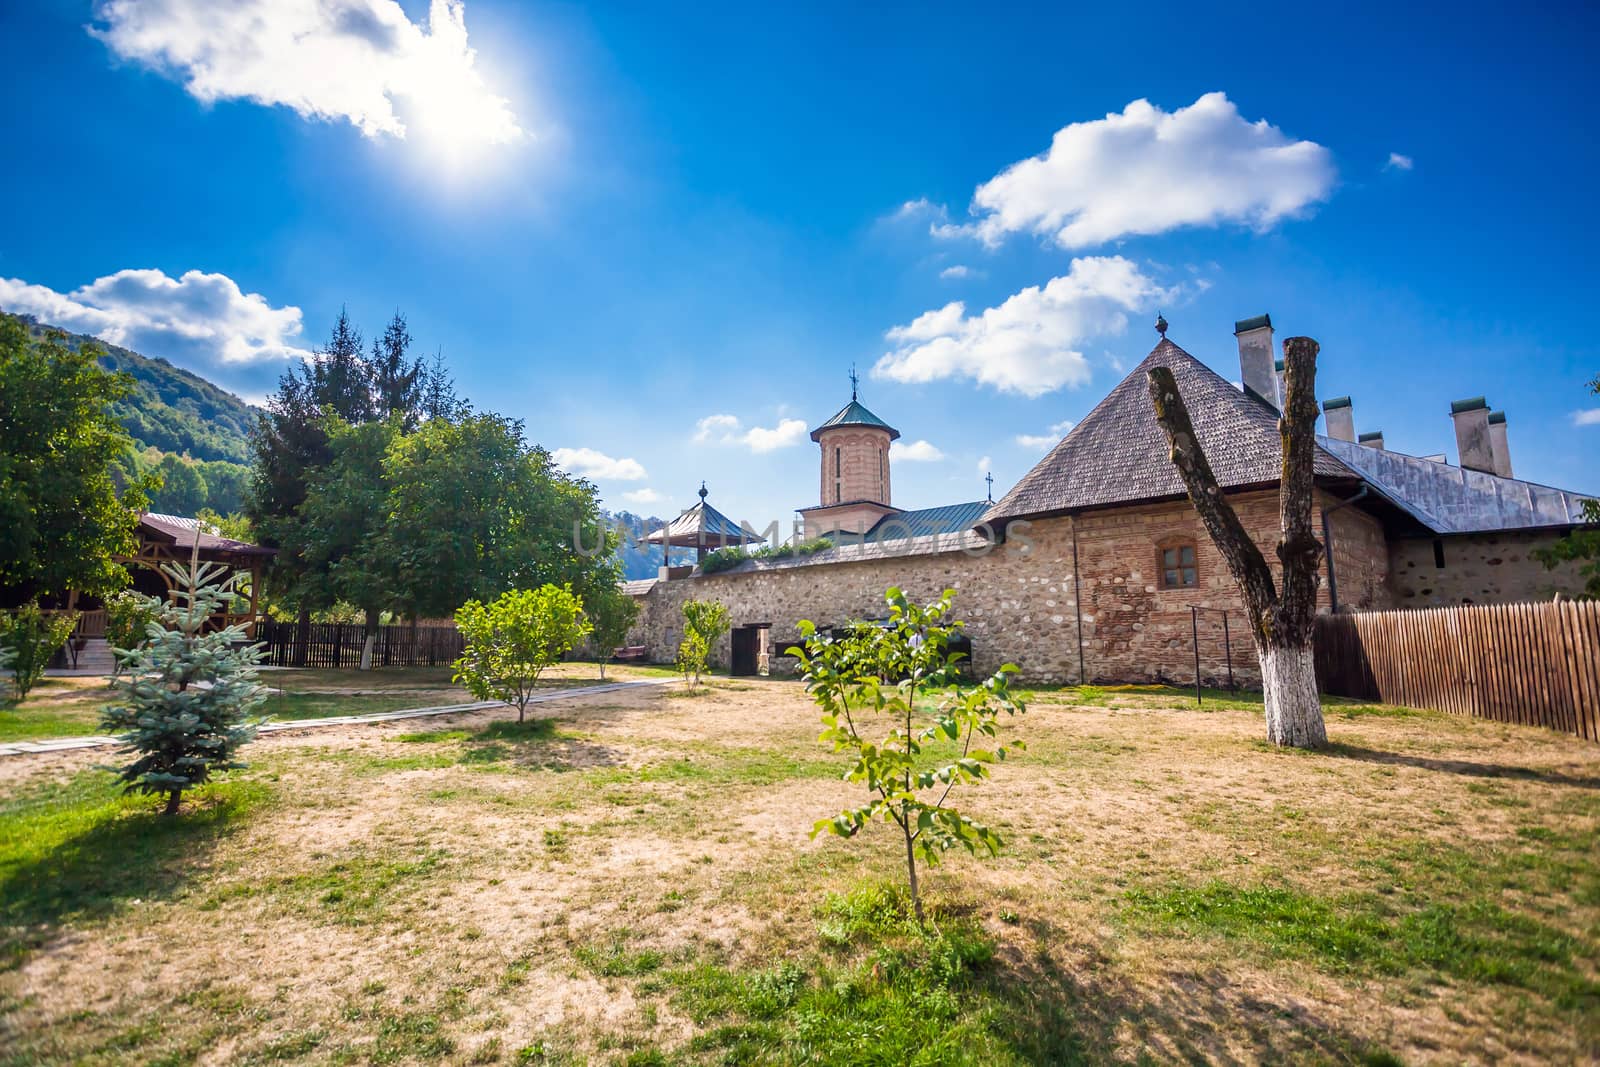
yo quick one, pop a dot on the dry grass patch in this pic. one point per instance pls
(627, 878)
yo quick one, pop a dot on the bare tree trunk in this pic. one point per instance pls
(1282, 627)
(173, 798)
(911, 871)
(369, 638)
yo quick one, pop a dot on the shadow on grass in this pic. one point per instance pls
(81, 851)
(1465, 767)
(536, 743)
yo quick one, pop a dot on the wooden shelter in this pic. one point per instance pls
(702, 528)
(177, 540)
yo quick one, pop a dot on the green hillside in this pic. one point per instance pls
(174, 410)
(177, 419)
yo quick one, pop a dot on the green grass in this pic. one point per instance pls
(80, 849)
(883, 992)
(1472, 940)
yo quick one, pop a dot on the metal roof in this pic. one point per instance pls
(854, 413)
(702, 526)
(181, 533)
(950, 518)
(1456, 500)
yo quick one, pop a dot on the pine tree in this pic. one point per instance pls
(188, 695)
(397, 383)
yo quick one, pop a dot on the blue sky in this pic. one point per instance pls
(620, 222)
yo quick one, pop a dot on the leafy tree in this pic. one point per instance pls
(691, 661)
(343, 528)
(612, 613)
(1281, 623)
(474, 510)
(32, 636)
(189, 693)
(709, 620)
(8, 656)
(510, 641)
(183, 488)
(128, 618)
(1580, 545)
(904, 673)
(62, 521)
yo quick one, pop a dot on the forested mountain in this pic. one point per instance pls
(641, 560)
(171, 409)
(194, 434)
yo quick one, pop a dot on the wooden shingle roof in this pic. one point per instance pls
(1118, 454)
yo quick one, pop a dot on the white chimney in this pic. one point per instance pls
(1341, 419)
(1372, 440)
(1497, 439)
(1474, 447)
(1255, 358)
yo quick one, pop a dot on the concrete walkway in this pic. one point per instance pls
(66, 744)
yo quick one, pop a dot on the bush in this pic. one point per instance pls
(612, 613)
(185, 732)
(128, 618)
(727, 558)
(32, 637)
(691, 662)
(708, 619)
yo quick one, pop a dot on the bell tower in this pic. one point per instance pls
(854, 483)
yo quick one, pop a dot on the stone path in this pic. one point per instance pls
(65, 744)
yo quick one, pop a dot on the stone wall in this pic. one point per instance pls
(1020, 600)
(1478, 569)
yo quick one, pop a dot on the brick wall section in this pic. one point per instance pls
(1478, 569)
(862, 465)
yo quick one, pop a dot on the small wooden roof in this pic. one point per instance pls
(702, 526)
(179, 534)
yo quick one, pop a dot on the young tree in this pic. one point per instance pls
(691, 660)
(1282, 625)
(189, 694)
(612, 613)
(510, 641)
(708, 619)
(62, 519)
(904, 672)
(32, 637)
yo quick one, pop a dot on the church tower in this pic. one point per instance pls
(855, 471)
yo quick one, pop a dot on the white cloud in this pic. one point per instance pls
(915, 452)
(1048, 439)
(1029, 344)
(729, 430)
(957, 271)
(1399, 162)
(197, 318)
(985, 465)
(642, 496)
(1589, 417)
(1147, 171)
(588, 463)
(362, 61)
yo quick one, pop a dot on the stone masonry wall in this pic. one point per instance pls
(1478, 569)
(1020, 600)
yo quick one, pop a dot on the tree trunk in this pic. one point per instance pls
(911, 872)
(370, 637)
(173, 798)
(1282, 627)
(1289, 687)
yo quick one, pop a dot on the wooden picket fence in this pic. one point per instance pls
(1535, 664)
(336, 644)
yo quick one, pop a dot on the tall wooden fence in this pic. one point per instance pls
(1536, 664)
(336, 644)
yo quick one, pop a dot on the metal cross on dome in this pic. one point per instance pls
(853, 381)
(990, 479)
